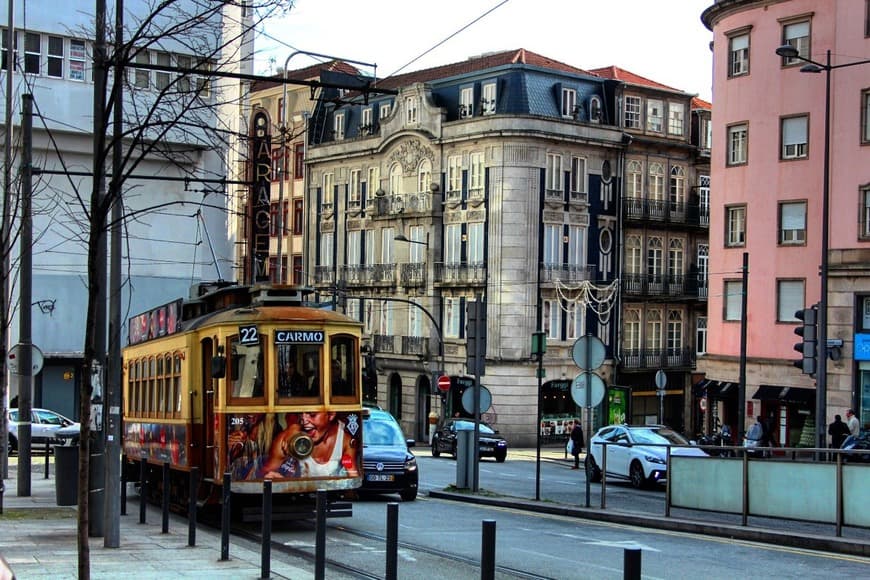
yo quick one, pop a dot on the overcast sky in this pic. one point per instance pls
(663, 40)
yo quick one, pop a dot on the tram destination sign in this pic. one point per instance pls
(299, 337)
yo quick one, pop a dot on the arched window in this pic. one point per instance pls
(395, 179)
(424, 176)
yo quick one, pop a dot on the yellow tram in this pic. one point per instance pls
(249, 381)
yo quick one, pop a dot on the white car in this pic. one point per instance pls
(44, 425)
(636, 453)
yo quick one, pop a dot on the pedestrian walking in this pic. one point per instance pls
(577, 443)
(838, 432)
(852, 422)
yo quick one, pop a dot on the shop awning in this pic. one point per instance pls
(794, 395)
(714, 389)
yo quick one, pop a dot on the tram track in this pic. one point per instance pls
(377, 544)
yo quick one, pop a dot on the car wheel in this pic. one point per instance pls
(409, 494)
(435, 451)
(635, 474)
(500, 457)
(593, 473)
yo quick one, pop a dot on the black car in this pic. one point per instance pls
(388, 464)
(491, 443)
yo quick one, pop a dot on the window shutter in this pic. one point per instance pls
(739, 42)
(794, 131)
(793, 216)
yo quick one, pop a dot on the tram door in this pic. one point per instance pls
(208, 427)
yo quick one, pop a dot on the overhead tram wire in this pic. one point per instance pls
(427, 51)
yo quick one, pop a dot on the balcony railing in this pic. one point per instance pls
(653, 210)
(324, 275)
(413, 275)
(567, 272)
(665, 285)
(459, 273)
(657, 358)
(384, 343)
(402, 203)
(368, 274)
(418, 345)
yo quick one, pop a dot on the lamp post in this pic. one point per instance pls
(789, 51)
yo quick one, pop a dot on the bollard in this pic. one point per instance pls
(123, 487)
(320, 536)
(143, 488)
(392, 541)
(266, 546)
(487, 554)
(191, 506)
(631, 564)
(165, 498)
(46, 460)
(225, 519)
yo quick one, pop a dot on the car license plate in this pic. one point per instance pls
(379, 477)
(486, 448)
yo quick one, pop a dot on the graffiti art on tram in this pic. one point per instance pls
(157, 442)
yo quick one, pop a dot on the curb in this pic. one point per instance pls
(807, 542)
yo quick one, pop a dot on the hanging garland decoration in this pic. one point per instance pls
(601, 299)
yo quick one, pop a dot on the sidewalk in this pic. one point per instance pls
(38, 539)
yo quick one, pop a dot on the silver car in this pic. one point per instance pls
(44, 425)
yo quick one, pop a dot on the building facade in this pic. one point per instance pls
(171, 217)
(501, 180)
(768, 169)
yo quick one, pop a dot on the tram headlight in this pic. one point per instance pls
(301, 445)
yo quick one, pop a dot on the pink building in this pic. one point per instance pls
(767, 170)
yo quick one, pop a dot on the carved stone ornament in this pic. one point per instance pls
(409, 154)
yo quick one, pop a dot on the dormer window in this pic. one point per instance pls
(594, 109)
(366, 126)
(466, 102)
(487, 103)
(384, 111)
(569, 102)
(338, 126)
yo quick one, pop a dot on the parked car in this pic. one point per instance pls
(44, 425)
(636, 453)
(388, 464)
(491, 443)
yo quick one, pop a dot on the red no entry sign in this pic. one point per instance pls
(444, 383)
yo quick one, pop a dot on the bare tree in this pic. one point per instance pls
(174, 117)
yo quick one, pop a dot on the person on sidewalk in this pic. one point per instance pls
(577, 443)
(838, 432)
(852, 422)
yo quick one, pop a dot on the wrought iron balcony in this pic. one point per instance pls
(384, 343)
(567, 272)
(418, 345)
(399, 204)
(456, 274)
(637, 209)
(657, 358)
(324, 275)
(413, 275)
(665, 286)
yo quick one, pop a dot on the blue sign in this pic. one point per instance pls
(862, 347)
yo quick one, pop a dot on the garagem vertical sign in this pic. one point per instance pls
(260, 198)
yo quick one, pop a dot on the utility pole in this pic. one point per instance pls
(25, 365)
(5, 249)
(112, 515)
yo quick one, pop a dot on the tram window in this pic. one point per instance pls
(292, 380)
(176, 384)
(246, 373)
(343, 366)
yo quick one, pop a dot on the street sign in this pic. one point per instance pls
(14, 355)
(661, 380)
(588, 352)
(578, 389)
(468, 400)
(444, 383)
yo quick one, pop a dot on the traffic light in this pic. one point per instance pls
(809, 346)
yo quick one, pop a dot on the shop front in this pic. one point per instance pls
(789, 414)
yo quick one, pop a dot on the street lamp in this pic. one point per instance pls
(404, 238)
(789, 51)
